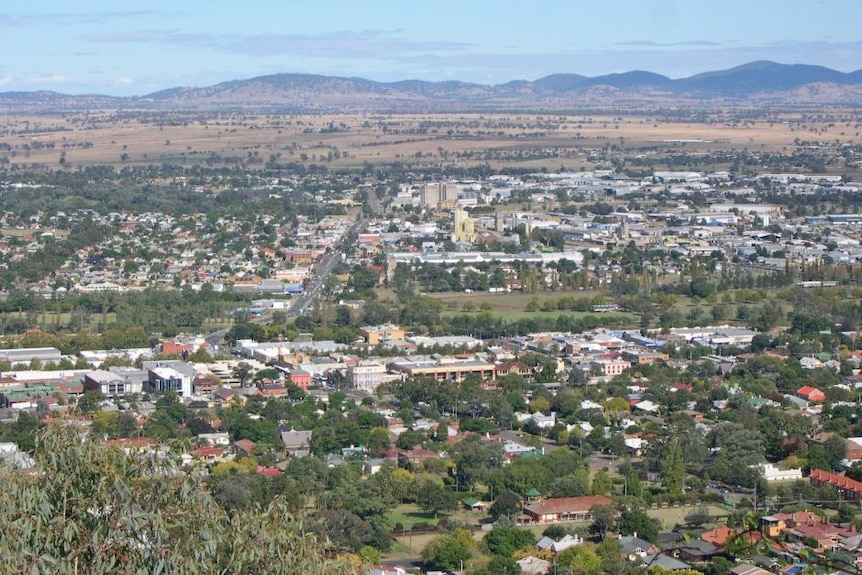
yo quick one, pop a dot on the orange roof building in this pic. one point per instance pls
(847, 488)
(562, 509)
(811, 394)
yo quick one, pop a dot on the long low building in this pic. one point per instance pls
(847, 488)
(562, 509)
(22, 356)
(451, 258)
(441, 368)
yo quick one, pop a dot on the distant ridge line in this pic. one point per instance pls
(760, 82)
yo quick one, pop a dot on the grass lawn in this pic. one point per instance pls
(676, 515)
(49, 319)
(409, 514)
(504, 302)
(401, 550)
(628, 318)
(409, 546)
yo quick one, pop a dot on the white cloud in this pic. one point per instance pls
(364, 44)
(70, 18)
(124, 81)
(51, 79)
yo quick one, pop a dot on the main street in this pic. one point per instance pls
(315, 286)
(322, 270)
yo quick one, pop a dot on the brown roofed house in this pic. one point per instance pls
(562, 509)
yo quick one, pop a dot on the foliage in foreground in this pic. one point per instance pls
(92, 509)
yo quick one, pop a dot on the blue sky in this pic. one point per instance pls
(133, 47)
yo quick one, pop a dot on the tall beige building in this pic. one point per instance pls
(438, 194)
(463, 229)
(430, 195)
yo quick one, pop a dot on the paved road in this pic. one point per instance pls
(321, 272)
(314, 288)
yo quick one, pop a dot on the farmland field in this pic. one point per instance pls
(530, 141)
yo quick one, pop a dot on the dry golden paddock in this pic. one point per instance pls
(529, 140)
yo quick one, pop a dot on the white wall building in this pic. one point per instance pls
(164, 379)
(773, 473)
(367, 375)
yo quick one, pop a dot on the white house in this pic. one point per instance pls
(773, 473)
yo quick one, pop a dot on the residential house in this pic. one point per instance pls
(209, 454)
(634, 547)
(297, 443)
(16, 458)
(131, 445)
(385, 570)
(718, 536)
(562, 509)
(227, 394)
(828, 536)
(566, 542)
(698, 550)
(543, 421)
(415, 456)
(811, 394)
(268, 471)
(749, 569)
(665, 561)
(533, 565)
(847, 488)
(204, 385)
(215, 439)
(244, 446)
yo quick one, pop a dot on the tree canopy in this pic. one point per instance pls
(112, 513)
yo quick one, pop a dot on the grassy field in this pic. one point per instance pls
(504, 302)
(510, 139)
(671, 516)
(512, 306)
(628, 318)
(409, 514)
(49, 320)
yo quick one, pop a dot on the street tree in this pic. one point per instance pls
(507, 504)
(242, 371)
(433, 497)
(604, 519)
(673, 474)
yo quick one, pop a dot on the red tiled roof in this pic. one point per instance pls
(208, 452)
(717, 536)
(837, 481)
(567, 505)
(268, 471)
(246, 445)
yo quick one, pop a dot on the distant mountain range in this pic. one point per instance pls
(763, 83)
